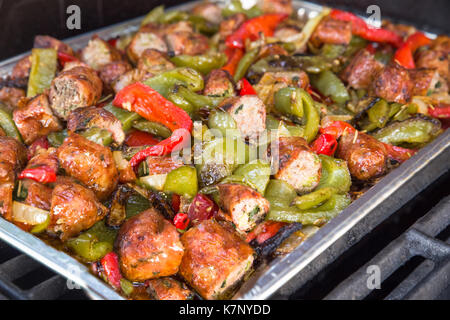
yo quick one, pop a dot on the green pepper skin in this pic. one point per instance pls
(57, 138)
(279, 193)
(222, 121)
(136, 204)
(188, 77)
(43, 69)
(245, 63)
(288, 101)
(153, 16)
(202, 63)
(203, 26)
(313, 64)
(378, 114)
(311, 116)
(417, 130)
(97, 135)
(197, 100)
(7, 123)
(335, 174)
(182, 181)
(316, 216)
(331, 86)
(256, 173)
(154, 128)
(235, 6)
(314, 198)
(125, 117)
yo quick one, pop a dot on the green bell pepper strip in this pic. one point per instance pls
(245, 63)
(279, 193)
(125, 117)
(202, 63)
(135, 204)
(203, 26)
(257, 173)
(195, 99)
(7, 123)
(39, 228)
(163, 82)
(223, 122)
(316, 216)
(235, 6)
(182, 181)
(57, 138)
(314, 198)
(332, 51)
(330, 85)
(173, 16)
(416, 130)
(313, 64)
(335, 174)
(153, 16)
(288, 101)
(43, 69)
(378, 114)
(151, 127)
(181, 102)
(274, 124)
(98, 135)
(404, 112)
(311, 115)
(126, 286)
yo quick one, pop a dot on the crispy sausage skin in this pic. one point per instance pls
(74, 88)
(11, 96)
(74, 208)
(218, 83)
(34, 118)
(169, 289)
(332, 31)
(361, 70)
(38, 195)
(112, 71)
(44, 157)
(185, 42)
(13, 156)
(149, 247)
(87, 117)
(154, 61)
(365, 155)
(298, 164)
(145, 39)
(392, 83)
(276, 6)
(41, 41)
(22, 68)
(215, 259)
(98, 53)
(90, 163)
(210, 11)
(229, 25)
(244, 206)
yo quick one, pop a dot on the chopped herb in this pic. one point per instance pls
(239, 109)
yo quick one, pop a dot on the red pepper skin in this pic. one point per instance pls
(65, 57)
(181, 221)
(152, 106)
(336, 128)
(41, 174)
(317, 96)
(251, 29)
(234, 56)
(360, 28)
(404, 55)
(440, 111)
(110, 265)
(264, 231)
(140, 138)
(325, 144)
(246, 88)
(202, 208)
(398, 153)
(39, 143)
(112, 42)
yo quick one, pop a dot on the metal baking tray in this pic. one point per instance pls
(270, 277)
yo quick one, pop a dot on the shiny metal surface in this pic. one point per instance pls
(268, 279)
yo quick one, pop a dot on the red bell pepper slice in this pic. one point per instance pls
(42, 174)
(246, 88)
(181, 221)
(325, 144)
(360, 28)
(264, 231)
(404, 55)
(152, 106)
(110, 265)
(336, 128)
(202, 208)
(113, 41)
(251, 29)
(138, 138)
(65, 57)
(234, 56)
(440, 111)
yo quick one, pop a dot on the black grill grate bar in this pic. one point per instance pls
(417, 241)
(49, 289)
(10, 290)
(18, 266)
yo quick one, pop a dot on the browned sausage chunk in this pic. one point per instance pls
(185, 42)
(435, 59)
(143, 40)
(332, 31)
(50, 42)
(90, 163)
(149, 247)
(13, 157)
(154, 61)
(276, 6)
(426, 81)
(210, 11)
(229, 25)
(169, 289)
(34, 118)
(38, 195)
(11, 96)
(215, 259)
(87, 117)
(298, 164)
(361, 70)
(130, 77)
(44, 157)
(74, 88)
(74, 208)
(393, 83)
(218, 83)
(22, 68)
(112, 71)
(365, 155)
(98, 53)
(243, 206)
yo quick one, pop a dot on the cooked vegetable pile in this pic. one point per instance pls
(173, 159)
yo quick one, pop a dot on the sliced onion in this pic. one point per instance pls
(27, 214)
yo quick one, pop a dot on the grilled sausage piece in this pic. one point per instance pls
(185, 42)
(154, 61)
(130, 77)
(215, 259)
(22, 68)
(13, 156)
(38, 195)
(298, 164)
(435, 59)
(74, 88)
(366, 156)
(210, 11)
(41, 41)
(169, 289)
(393, 83)
(44, 157)
(74, 208)
(426, 81)
(244, 206)
(90, 163)
(11, 96)
(162, 164)
(98, 53)
(229, 25)
(145, 39)
(276, 6)
(149, 247)
(87, 117)
(249, 113)
(284, 32)
(111, 72)
(361, 70)
(34, 118)
(219, 83)
(332, 31)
